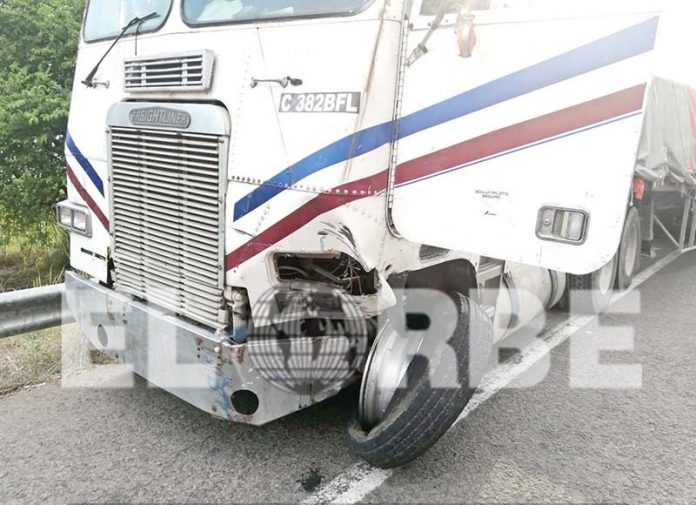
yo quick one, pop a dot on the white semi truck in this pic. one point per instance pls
(269, 200)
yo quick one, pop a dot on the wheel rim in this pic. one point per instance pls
(606, 277)
(385, 372)
(630, 251)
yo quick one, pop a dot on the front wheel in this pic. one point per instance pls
(402, 413)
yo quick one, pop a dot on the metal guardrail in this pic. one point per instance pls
(32, 310)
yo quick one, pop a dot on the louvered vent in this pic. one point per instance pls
(190, 70)
(168, 214)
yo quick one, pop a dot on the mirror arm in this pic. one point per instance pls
(422, 48)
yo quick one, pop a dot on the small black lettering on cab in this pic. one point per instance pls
(348, 102)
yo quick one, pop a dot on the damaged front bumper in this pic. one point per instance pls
(234, 382)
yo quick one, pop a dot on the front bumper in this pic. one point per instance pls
(184, 359)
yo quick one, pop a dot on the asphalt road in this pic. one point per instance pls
(547, 443)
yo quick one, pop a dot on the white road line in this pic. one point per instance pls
(361, 479)
(351, 486)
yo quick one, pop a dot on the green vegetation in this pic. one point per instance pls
(34, 358)
(38, 42)
(23, 266)
(38, 45)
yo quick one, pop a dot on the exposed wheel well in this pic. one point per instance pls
(456, 276)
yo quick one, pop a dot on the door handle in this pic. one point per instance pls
(283, 82)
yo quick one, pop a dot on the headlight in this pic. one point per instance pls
(64, 216)
(79, 221)
(75, 218)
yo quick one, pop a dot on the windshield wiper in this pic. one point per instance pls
(89, 81)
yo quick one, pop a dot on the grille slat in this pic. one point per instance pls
(187, 285)
(163, 162)
(165, 198)
(160, 72)
(176, 222)
(157, 254)
(133, 231)
(193, 254)
(164, 189)
(161, 271)
(163, 153)
(181, 210)
(159, 147)
(192, 137)
(160, 177)
(168, 219)
(164, 228)
(160, 295)
(190, 70)
(166, 137)
(163, 60)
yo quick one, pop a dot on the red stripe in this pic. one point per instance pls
(523, 134)
(500, 141)
(87, 199)
(322, 204)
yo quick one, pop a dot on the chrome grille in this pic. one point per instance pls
(190, 70)
(167, 190)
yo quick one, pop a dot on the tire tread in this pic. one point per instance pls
(426, 413)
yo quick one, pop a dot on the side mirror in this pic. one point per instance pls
(466, 33)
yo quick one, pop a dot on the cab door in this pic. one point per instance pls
(519, 128)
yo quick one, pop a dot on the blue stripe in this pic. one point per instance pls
(84, 163)
(606, 51)
(357, 144)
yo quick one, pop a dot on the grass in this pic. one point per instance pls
(34, 358)
(26, 266)
(29, 359)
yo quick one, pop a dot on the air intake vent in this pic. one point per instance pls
(168, 219)
(191, 70)
(431, 253)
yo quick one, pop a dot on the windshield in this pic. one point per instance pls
(106, 18)
(220, 11)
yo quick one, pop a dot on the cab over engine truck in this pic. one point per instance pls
(271, 200)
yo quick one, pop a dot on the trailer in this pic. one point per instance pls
(271, 200)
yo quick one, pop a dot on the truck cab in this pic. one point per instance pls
(270, 200)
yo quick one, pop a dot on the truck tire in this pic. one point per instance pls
(419, 414)
(629, 250)
(591, 293)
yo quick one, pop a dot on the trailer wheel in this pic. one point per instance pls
(591, 293)
(629, 250)
(419, 414)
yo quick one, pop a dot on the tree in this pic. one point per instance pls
(38, 45)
